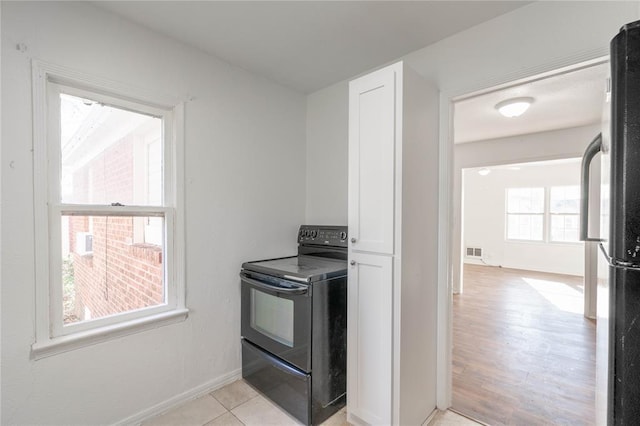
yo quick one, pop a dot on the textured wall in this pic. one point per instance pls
(244, 199)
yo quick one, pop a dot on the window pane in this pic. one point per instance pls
(109, 155)
(105, 271)
(524, 227)
(565, 199)
(565, 227)
(525, 200)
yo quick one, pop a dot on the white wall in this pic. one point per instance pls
(484, 219)
(539, 33)
(245, 197)
(327, 155)
(328, 136)
(542, 146)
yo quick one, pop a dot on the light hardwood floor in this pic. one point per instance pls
(523, 353)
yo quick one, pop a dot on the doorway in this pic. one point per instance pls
(523, 342)
(520, 336)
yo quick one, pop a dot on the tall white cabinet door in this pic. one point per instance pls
(369, 343)
(392, 284)
(372, 118)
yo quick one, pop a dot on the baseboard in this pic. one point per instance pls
(467, 417)
(180, 399)
(430, 417)
(353, 419)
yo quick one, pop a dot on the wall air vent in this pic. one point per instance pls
(475, 252)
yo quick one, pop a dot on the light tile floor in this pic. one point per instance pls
(449, 418)
(239, 404)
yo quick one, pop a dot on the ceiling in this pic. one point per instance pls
(562, 101)
(309, 45)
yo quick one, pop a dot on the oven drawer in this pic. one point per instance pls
(281, 382)
(276, 316)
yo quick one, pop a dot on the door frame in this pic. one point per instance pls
(446, 194)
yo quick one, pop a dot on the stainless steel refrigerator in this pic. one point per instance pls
(618, 323)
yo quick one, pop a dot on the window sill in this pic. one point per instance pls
(82, 339)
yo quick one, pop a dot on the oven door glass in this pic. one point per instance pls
(276, 316)
(272, 316)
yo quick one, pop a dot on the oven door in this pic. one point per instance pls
(276, 316)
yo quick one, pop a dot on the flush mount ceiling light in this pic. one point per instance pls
(484, 171)
(514, 107)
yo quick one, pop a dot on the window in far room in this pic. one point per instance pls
(543, 214)
(564, 211)
(525, 214)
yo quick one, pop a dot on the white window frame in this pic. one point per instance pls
(52, 336)
(552, 214)
(542, 214)
(546, 219)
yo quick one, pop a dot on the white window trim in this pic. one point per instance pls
(507, 214)
(550, 214)
(48, 338)
(542, 240)
(546, 220)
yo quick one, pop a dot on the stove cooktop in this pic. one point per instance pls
(300, 268)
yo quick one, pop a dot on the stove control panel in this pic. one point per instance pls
(323, 235)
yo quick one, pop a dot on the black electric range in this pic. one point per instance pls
(294, 325)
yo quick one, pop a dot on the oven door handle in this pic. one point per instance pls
(273, 288)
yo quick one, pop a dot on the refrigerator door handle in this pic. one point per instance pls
(594, 147)
(605, 254)
(615, 263)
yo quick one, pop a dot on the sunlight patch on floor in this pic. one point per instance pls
(561, 295)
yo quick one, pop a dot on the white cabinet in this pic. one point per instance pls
(369, 319)
(392, 287)
(371, 162)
